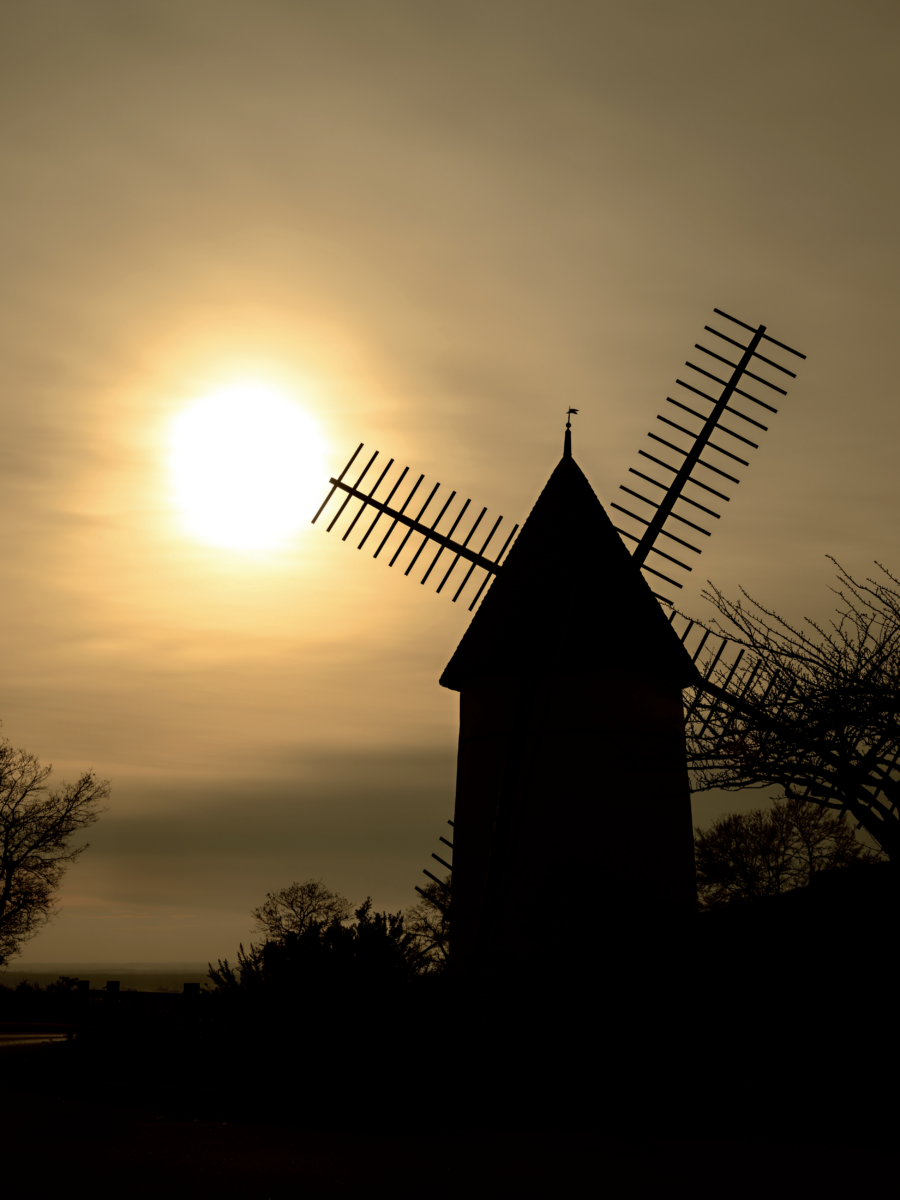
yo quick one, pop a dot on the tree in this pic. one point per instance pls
(816, 711)
(36, 828)
(767, 851)
(384, 949)
(429, 923)
(295, 908)
(330, 953)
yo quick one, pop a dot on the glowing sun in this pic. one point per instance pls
(247, 467)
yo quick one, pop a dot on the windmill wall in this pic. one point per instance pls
(572, 830)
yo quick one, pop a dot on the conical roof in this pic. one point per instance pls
(569, 599)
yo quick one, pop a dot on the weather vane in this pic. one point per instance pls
(570, 412)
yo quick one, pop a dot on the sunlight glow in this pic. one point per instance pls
(247, 467)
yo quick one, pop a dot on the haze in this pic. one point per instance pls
(432, 229)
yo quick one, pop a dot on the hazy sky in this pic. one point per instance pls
(433, 228)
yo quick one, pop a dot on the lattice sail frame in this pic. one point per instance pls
(430, 533)
(445, 888)
(748, 712)
(683, 475)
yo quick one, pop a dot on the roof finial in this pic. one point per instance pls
(567, 446)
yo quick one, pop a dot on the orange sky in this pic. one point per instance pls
(433, 228)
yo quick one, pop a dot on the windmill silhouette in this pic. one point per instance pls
(571, 680)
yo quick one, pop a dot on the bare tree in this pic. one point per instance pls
(295, 908)
(815, 711)
(429, 921)
(36, 828)
(747, 856)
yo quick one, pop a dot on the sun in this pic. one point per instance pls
(247, 467)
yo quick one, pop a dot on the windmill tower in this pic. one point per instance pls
(571, 757)
(571, 742)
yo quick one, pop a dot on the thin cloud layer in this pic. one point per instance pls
(434, 231)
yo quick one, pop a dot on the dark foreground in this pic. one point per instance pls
(762, 1049)
(346, 1102)
(641, 1096)
(138, 1150)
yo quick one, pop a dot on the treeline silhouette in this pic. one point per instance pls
(374, 950)
(336, 1007)
(33, 1002)
(744, 857)
(313, 936)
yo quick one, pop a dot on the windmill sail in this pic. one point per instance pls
(697, 481)
(444, 901)
(413, 524)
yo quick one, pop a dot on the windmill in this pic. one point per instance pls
(571, 677)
